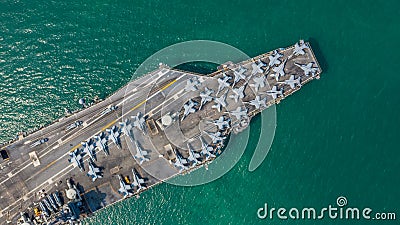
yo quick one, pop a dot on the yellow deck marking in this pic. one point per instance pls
(132, 109)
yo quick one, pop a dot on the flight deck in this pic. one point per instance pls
(161, 125)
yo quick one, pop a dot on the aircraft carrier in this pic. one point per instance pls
(163, 124)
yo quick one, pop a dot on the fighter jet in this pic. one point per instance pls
(193, 156)
(57, 199)
(88, 148)
(47, 204)
(259, 82)
(223, 83)
(139, 121)
(206, 96)
(275, 92)
(238, 93)
(179, 161)
(258, 102)
(44, 210)
(123, 187)
(76, 159)
(215, 137)
(52, 202)
(140, 153)
(292, 82)
(189, 108)
(101, 143)
(220, 102)
(239, 113)
(137, 182)
(257, 68)
(221, 123)
(274, 59)
(307, 69)
(239, 74)
(109, 109)
(279, 70)
(114, 136)
(74, 125)
(206, 150)
(93, 172)
(299, 48)
(191, 84)
(126, 127)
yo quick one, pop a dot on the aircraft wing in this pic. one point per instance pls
(143, 152)
(128, 187)
(191, 158)
(138, 155)
(91, 173)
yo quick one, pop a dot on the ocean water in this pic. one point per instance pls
(338, 136)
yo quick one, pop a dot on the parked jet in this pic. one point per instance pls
(292, 82)
(223, 83)
(238, 93)
(57, 199)
(258, 82)
(94, 172)
(258, 102)
(52, 202)
(114, 136)
(216, 137)
(221, 123)
(279, 70)
(88, 148)
(76, 159)
(206, 150)
(47, 204)
(274, 59)
(74, 125)
(220, 102)
(206, 96)
(179, 161)
(189, 108)
(307, 69)
(140, 153)
(191, 84)
(139, 121)
(109, 109)
(137, 182)
(126, 127)
(124, 189)
(193, 156)
(44, 210)
(275, 92)
(101, 142)
(239, 74)
(257, 68)
(239, 113)
(299, 48)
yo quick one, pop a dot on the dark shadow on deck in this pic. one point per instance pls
(95, 199)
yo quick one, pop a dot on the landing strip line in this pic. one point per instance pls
(107, 126)
(132, 109)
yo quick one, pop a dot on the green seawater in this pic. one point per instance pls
(338, 136)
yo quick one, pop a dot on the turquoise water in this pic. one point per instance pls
(337, 136)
